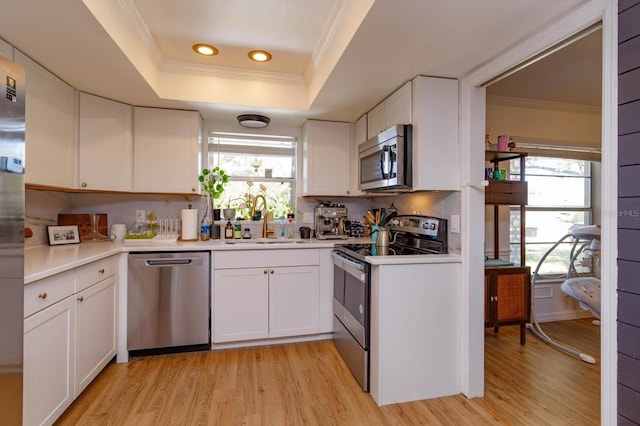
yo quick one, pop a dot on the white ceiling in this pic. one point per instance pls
(332, 59)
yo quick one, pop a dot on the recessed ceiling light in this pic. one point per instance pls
(205, 49)
(254, 121)
(260, 55)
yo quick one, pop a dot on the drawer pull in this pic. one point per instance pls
(264, 272)
(81, 299)
(101, 271)
(271, 271)
(42, 296)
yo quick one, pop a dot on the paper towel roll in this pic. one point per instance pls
(189, 229)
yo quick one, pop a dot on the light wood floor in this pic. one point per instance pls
(308, 384)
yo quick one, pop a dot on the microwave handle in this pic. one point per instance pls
(384, 162)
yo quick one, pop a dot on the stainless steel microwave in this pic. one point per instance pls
(385, 160)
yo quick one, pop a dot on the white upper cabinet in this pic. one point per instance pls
(105, 148)
(6, 50)
(396, 109)
(166, 154)
(50, 155)
(326, 161)
(376, 120)
(436, 162)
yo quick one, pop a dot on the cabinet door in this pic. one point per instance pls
(293, 301)
(240, 304)
(398, 106)
(50, 154)
(48, 363)
(326, 158)
(6, 50)
(376, 120)
(166, 153)
(512, 300)
(489, 304)
(95, 331)
(106, 145)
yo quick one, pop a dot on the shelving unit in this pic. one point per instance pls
(507, 288)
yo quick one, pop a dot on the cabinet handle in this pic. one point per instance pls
(84, 184)
(101, 271)
(81, 299)
(271, 271)
(264, 272)
(42, 296)
(193, 190)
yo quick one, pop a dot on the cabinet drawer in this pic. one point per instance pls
(265, 258)
(94, 272)
(506, 192)
(46, 292)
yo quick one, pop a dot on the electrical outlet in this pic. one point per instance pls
(307, 217)
(141, 216)
(454, 224)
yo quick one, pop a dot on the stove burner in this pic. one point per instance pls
(360, 251)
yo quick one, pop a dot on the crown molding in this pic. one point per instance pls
(542, 104)
(216, 71)
(328, 34)
(142, 31)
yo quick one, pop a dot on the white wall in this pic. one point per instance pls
(543, 122)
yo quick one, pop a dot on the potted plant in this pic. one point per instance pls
(212, 183)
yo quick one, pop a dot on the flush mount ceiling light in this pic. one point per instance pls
(205, 49)
(254, 121)
(260, 56)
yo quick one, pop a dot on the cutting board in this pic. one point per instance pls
(83, 222)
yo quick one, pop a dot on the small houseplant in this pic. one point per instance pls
(212, 183)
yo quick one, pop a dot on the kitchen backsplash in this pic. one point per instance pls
(42, 208)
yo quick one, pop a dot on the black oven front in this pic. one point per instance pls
(351, 308)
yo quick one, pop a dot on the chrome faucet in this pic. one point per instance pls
(265, 229)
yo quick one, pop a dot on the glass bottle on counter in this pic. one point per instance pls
(237, 230)
(205, 225)
(228, 230)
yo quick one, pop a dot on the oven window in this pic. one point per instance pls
(355, 298)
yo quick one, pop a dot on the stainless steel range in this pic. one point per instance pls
(410, 235)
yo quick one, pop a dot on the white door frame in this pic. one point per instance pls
(472, 131)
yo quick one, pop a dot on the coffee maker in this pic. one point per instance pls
(330, 221)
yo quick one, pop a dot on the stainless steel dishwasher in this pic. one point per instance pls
(168, 302)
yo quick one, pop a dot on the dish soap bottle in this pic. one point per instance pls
(228, 230)
(205, 225)
(237, 230)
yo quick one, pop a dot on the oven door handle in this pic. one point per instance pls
(353, 268)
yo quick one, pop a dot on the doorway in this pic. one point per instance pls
(472, 123)
(551, 110)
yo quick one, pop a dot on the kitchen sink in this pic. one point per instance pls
(266, 241)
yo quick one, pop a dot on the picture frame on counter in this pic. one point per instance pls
(68, 234)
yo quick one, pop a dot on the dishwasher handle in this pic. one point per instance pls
(154, 262)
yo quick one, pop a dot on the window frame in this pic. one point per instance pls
(514, 243)
(215, 148)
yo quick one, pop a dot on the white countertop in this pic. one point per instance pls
(43, 261)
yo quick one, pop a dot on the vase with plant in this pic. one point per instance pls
(212, 183)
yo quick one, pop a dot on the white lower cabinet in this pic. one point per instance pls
(272, 293)
(95, 331)
(69, 337)
(48, 363)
